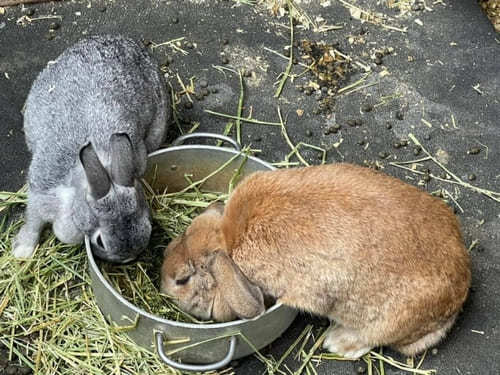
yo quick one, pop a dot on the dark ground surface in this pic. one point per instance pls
(431, 75)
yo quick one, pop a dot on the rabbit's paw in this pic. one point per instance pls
(20, 250)
(24, 244)
(345, 342)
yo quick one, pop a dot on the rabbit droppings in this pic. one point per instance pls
(90, 120)
(381, 258)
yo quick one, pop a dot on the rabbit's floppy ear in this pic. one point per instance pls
(122, 160)
(97, 177)
(244, 298)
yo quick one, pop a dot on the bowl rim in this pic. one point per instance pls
(137, 310)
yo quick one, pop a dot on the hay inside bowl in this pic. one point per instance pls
(139, 282)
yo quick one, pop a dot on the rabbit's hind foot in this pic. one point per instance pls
(345, 342)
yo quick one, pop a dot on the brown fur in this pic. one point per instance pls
(381, 258)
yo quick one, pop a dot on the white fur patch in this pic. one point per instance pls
(66, 195)
(345, 342)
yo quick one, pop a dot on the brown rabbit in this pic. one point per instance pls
(381, 258)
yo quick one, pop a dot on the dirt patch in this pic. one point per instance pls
(253, 66)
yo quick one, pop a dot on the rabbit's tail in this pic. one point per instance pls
(428, 340)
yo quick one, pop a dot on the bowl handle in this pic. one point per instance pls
(189, 367)
(182, 138)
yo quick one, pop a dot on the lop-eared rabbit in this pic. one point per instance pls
(383, 260)
(90, 120)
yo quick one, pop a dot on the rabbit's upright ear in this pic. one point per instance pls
(244, 298)
(122, 160)
(97, 177)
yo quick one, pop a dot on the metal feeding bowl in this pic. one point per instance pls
(188, 346)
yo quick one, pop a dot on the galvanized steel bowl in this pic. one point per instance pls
(166, 169)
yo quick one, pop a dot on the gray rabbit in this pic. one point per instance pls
(91, 118)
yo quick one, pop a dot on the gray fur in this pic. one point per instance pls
(103, 88)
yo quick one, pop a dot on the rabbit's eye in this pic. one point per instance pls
(182, 281)
(99, 241)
